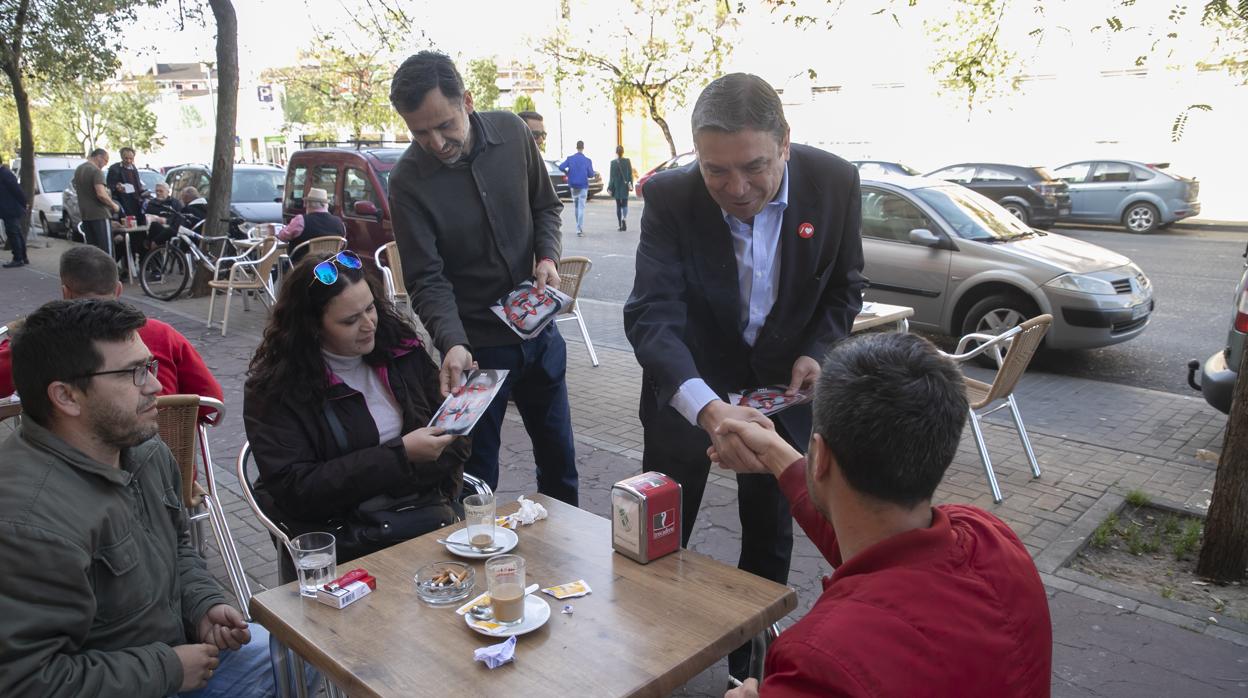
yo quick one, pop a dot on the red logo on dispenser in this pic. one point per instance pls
(805, 230)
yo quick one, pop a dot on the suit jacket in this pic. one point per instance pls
(683, 317)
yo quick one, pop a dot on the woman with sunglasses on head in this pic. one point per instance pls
(336, 402)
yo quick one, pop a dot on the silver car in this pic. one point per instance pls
(966, 265)
(1140, 196)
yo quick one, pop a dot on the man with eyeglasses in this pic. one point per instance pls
(537, 126)
(104, 593)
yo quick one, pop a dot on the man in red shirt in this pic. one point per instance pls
(88, 272)
(923, 600)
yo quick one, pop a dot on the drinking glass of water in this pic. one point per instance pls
(315, 559)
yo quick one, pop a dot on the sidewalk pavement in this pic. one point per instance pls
(1094, 442)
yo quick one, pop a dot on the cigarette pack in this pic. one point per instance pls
(344, 596)
(645, 516)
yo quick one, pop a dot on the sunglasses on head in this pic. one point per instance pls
(327, 272)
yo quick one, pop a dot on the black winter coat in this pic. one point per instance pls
(307, 483)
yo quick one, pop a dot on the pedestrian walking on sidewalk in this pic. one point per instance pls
(12, 211)
(579, 169)
(620, 185)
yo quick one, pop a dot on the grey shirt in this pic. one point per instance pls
(89, 205)
(468, 235)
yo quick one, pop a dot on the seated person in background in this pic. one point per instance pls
(104, 593)
(923, 600)
(88, 272)
(194, 207)
(164, 215)
(335, 406)
(317, 222)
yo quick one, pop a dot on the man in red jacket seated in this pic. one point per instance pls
(88, 272)
(923, 600)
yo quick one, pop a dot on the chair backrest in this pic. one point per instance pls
(388, 260)
(267, 250)
(1022, 347)
(245, 484)
(572, 272)
(10, 408)
(326, 244)
(178, 417)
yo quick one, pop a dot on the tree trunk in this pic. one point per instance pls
(227, 115)
(27, 149)
(1224, 554)
(652, 101)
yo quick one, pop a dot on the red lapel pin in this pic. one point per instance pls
(805, 230)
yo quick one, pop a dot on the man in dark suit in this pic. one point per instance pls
(749, 269)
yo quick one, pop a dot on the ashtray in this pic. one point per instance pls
(443, 583)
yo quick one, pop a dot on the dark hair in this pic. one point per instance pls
(288, 362)
(125, 150)
(580, 145)
(421, 73)
(891, 408)
(98, 152)
(87, 270)
(531, 115)
(619, 150)
(738, 102)
(57, 343)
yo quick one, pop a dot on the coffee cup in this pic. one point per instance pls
(504, 576)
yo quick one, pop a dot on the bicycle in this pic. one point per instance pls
(165, 271)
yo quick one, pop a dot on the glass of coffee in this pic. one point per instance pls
(479, 516)
(504, 574)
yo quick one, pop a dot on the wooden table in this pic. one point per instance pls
(884, 314)
(644, 631)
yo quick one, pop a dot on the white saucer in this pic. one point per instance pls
(505, 537)
(536, 613)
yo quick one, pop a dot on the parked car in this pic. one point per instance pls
(1140, 196)
(678, 161)
(357, 181)
(560, 181)
(255, 193)
(1220, 371)
(966, 264)
(69, 198)
(874, 169)
(1030, 194)
(53, 172)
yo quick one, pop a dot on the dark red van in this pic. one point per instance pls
(358, 184)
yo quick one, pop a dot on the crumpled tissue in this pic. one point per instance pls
(528, 512)
(495, 656)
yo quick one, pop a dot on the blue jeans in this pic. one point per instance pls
(578, 198)
(537, 382)
(249, 672)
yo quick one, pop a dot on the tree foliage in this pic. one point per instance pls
(523, 103)
(655, 52)
(335, 88)
(481, 79)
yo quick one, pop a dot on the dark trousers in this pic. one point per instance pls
(99, 233)
(537, 381)
(17, 241)
(677, 448)
(621, 209)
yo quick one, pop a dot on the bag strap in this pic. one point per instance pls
(335, 427)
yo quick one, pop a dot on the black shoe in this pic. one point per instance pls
(13, 264)
(623, 225)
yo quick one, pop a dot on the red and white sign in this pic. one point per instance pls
(805, 231)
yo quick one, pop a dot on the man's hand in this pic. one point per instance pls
(749, 689)
(456, 362)
(805, 372)
(732, 454)
(198, 663)
(546, 273)
(224, 628)
(767, 452)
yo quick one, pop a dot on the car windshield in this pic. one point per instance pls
(254, 186)
(384, 177)
(972, 215)
(55, 180)
(150, 179)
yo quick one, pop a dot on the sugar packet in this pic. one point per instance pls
(571, 590)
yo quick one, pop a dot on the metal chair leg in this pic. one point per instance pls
(280, 658)
(212, 300)
(983, 456)
(1022, 436)
(593, 355)
(301, 676)
(225, 320)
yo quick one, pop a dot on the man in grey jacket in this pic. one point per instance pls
(104, 594)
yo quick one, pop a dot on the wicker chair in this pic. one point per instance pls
(1021, 343)
(248, 272)
(572, 271)
(391, 266)
(326, 244)
(185, 434)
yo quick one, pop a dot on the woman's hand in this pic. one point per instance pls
(426, 444)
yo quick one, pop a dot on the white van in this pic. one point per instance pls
(53, 173)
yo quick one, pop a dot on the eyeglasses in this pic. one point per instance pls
(138, 374)
(327, 272)
(539, 135)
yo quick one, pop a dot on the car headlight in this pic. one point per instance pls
(1082, 283)
(57, 209)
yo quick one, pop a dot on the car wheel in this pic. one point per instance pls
(1141, 218)
(993, 315)
(1019, 211)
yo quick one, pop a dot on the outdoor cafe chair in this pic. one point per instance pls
(248, 272)
(1020, 344)
(326, 244)
(186, 435)
(572, 271)
(391, 265)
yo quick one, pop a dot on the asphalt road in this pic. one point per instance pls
(1193, 275)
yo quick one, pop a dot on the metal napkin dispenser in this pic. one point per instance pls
(645, 516)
